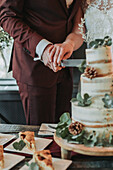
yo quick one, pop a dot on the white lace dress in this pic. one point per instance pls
(98, 18)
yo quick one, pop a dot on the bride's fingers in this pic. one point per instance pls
(66, 56)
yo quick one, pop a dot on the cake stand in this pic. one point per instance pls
(66, 149)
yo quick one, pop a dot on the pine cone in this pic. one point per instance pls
(90, 72)
(75, 128)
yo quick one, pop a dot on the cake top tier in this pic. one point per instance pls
(101, 59)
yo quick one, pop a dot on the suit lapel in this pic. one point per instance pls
(64, 6)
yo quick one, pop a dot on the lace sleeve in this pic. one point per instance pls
(98, 19)
(100, 4)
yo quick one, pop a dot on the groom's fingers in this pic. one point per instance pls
(55, 68)
(56, 56)
(66, 56)
(51, 54)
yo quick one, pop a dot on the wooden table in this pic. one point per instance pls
(79, 161)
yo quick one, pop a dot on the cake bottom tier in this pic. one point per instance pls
(94, 117)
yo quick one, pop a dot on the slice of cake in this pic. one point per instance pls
(1, 157)
(28, 138)
(43, 159)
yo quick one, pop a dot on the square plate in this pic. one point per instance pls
(4, 138)
(45, 130)
(41, 143)
(58, 164)
(11, 160)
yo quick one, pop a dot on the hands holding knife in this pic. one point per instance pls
(55, 55)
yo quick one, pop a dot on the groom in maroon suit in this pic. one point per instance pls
(44, 32)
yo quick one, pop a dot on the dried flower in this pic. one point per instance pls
(90, 72)
(75, 128)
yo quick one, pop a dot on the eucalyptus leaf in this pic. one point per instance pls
(103, 135)
(26, 163)
(65, 117)
(32, 166)
(79, 97)
(100, 41)
(110, 137)
(92, 44)
(85, 101)
(106, 37)
(82, 67)
(19, 145)
(73, 100)
(108, 101)
(62, 127)
(107, 41)
(81, 104)
(90, 139)
(64, 132)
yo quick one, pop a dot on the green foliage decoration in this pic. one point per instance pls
(4, 42)
(19, 145)
(82, 67)
(108, 101)
(90, 139)
(85, 101)
(107, 41)
(32, 166)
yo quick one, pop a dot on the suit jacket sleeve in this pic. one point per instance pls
(11, 19)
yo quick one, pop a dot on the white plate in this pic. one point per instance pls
(46, 130)
(11, 160)
(4, 138)
(41, 143)
(58, 164)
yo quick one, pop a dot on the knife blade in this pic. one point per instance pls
(72, 62)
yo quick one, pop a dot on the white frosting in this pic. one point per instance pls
(100, 59)
(102, 53)
(97, 86)
(96, 116)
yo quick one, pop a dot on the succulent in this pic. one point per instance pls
(108, 101)
(85, 101)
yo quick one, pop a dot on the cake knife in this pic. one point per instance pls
(72, 62)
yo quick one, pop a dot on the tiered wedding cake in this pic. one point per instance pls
(97, 82)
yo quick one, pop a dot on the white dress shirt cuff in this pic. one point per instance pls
(40, 48)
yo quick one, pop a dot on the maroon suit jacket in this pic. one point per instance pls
(28, 21)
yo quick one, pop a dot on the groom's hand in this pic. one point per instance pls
(47, 58)
(46, 53)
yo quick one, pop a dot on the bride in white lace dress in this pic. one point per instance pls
(98, 18)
